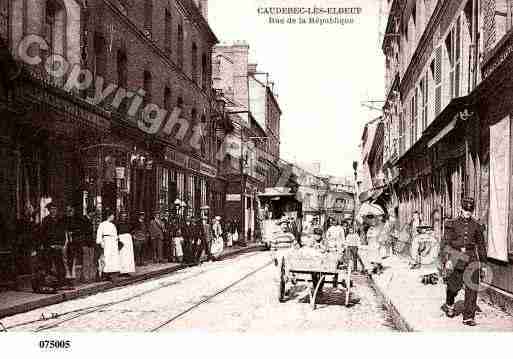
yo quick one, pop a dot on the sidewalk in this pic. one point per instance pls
(15, 302)
(416, 307)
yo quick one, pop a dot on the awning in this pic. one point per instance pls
(444, 123)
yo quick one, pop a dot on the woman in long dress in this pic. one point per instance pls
(107, 238)
(217, 242)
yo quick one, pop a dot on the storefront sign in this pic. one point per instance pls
(233, 197)
(208, 170)
(37, 94)
(176, 157)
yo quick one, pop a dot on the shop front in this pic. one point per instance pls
(188, 179)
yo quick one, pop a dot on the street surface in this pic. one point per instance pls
(234, 295)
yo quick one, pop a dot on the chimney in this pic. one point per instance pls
(252, 69)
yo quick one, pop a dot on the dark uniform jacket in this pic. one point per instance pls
(463, 243)
(53, 232)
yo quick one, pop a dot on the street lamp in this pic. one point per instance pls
(355, 169)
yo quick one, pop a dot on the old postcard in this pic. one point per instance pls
(255, 167)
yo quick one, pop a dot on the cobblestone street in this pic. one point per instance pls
(236, 295)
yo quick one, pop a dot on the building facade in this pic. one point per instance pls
(90, 110)
(254, 113)
(447, 117)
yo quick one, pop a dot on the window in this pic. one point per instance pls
(167, 99)
(122, 69)
(204, 72)
(147, 85)
(100, 58)
(203, 139)
(453, 47)
(437, 75)
(168, 32)
(194, 62)
(414, 118)
(424, 90)
(148, 17)
(401, 132)
(121, 62)
(54, 30)
(179, 46)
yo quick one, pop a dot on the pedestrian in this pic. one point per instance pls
(73, 249)
(217, 240)
(332, 236)
(53, 237)
(140, 236)
(178, 241)
(157, 229)
(126, 253)
(352, 243)
(107, 237)
(25, 240)
(463, 253)
(236, 232)
(189, 236)
(229, 233)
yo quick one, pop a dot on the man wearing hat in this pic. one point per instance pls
(463, 252)
(53, 240)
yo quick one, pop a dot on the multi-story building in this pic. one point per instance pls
(447, 116)
(254, 112)
(340, 199)
(89, 117)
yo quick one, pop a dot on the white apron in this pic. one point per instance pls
(235, 237)
(107, 237)
(126, 254)
(217, 246)
(229, 241)
(178, 246)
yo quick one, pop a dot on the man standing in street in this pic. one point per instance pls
(463, 252)
(206, 238)
(53, 237)
(189, 235)
(157, 238)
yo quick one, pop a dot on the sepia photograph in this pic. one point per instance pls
(255, 168)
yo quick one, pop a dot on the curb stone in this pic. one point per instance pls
(397, 318)
(104, 286)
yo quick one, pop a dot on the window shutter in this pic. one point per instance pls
(438, 80)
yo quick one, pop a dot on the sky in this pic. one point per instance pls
(322, 74)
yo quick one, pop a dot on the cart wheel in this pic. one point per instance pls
(316, 292)
(281, 293)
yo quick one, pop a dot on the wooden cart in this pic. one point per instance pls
(321, 267)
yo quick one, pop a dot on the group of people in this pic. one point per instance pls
(342, 237)
(52, 248)
(177, 239)
(456, 247)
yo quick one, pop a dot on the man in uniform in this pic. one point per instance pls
(462, 252)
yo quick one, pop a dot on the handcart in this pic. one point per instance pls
(316, 266)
